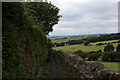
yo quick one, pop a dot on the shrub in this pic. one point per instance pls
(86, 43)
(109, 48)
(118, 48)
(111, 56)
(93, 56)
(106, 57)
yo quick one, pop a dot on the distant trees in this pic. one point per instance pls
(93, 56)
(104, 37)
(81, 54)
(111, 56)
(86, 43)
(70, 42)
(118, 48)
(109, 48)
(73, 42)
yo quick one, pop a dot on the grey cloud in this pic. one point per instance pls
(91, 17)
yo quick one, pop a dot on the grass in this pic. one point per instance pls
(110, 65)
(72, 48)
(59, 40)
(110, 41)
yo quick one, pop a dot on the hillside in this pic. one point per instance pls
(27, 52)
(25, 46)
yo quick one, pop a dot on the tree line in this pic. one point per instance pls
(88, 40)
(107, 55)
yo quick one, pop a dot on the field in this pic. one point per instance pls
(72, 48)
(105, 41)
(110, 65)
(91, 47)
(58, 40)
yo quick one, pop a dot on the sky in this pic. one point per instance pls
(86, 17)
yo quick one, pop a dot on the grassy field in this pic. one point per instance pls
(110, 41)
(72, 48)
(68, 38)
(110, 65)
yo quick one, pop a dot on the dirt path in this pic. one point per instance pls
(56, 68)
(53, 69)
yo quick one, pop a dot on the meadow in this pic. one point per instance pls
(110, 65)
(91, 47)
(59, 40)
(72, 48)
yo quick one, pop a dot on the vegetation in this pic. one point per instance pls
(25, 46)
(118, 48)
(59, 40)
(109, 48)
(46, 14)
(110, 65)
(107, 51)
(72, 48)
(88, 40)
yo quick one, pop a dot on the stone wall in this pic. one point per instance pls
(89, 70)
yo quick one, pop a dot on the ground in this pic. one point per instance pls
(56, 68)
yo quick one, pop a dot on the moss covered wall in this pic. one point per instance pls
(24, 46)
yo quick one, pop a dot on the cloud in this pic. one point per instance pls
(86, 17)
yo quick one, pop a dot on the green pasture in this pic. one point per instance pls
(59, 40)
(72, 48)
(110, 65)
(110, 41)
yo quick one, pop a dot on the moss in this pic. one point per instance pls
(24, 44)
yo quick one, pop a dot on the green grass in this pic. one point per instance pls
(110, 41)
(110, 65)
(68, 38)
(72, 48)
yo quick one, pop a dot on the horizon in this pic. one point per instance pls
(80, 34)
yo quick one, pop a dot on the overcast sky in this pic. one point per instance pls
(88, 17)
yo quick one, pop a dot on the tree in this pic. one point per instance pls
(93, 56)
(82, 54)
(109, 48)
(118, 48)
(106, 57)
(45, 13)
(86, 43)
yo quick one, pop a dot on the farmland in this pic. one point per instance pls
(58, 40)
(110, 65)
(93, 47)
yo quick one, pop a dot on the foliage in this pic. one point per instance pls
(111, 56)
(86, 43)
(109, 48)
(45, 13)
(11, 23)
(118, 48)
(104, 37)
(25, 46)
(93, 56)
(82, 54)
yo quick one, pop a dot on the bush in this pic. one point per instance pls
(106, 57)
(118, 48)
(109, 48)
(111, 56)
(86, 43)
(81, 54)
(93, 56)
(118, 56)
